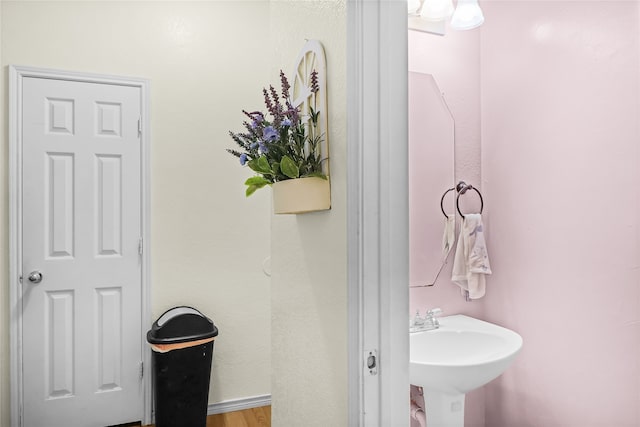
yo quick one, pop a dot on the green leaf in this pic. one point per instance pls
(257, 181)
(289, 168)
(260, 165)
(251, 189)
(316, 175)
(314, 115)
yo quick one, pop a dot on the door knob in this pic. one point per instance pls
(35, 277)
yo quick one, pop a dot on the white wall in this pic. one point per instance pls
(4, 259)
(206, 61)
(309, 254)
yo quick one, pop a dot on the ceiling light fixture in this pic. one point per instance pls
(413, 6)
(466, 16)
(437, 10)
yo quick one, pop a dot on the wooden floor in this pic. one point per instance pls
(254, 417)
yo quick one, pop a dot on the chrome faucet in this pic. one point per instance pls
(427, 323)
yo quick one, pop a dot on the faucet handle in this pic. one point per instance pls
(434, 312)
(417, 320)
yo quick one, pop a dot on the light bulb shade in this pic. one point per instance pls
(467, 16)
(413, 6)
(436, 10)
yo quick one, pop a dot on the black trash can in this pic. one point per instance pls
(182, 343)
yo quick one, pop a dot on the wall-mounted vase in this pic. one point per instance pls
(301, 195)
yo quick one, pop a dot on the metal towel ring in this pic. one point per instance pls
(462, 188)
(442, 202)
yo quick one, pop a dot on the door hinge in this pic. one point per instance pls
(371, 361)
(141, 370)
(140, 246)
(139, 126)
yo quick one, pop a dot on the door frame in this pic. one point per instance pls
(378, 212)
(16, 76)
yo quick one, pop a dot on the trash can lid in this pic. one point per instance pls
(181, 324)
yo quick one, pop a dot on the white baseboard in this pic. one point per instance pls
(239, 404)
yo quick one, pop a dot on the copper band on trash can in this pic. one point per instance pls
(164, 348)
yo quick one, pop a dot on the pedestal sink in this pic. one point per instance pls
(461, 355)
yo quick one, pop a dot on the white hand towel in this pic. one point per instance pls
(449, 235)
(471, 261)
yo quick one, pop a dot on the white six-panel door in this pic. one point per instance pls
(81, 222)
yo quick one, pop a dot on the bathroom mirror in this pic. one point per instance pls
(431, 174)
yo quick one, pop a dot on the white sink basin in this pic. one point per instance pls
(463, 354)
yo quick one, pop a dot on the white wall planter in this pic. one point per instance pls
(308, 194)
(301, 195)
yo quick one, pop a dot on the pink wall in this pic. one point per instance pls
(561, 172)
(553, 90)
(454, 61)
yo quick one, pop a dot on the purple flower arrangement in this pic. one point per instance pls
(282, 144)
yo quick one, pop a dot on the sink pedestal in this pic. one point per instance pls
(444, 410)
